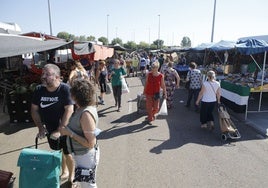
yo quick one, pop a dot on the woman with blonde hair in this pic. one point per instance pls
(77, 72)
(209, 95)
(154, 82)
(116, 76)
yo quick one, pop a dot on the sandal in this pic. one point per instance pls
(73, 184)
(204, 126)
(211, 126)
(64, 176)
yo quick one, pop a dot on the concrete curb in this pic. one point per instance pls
(254, 122)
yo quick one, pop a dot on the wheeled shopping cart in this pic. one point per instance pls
(39, 168)
(228, 128)
(141, 103)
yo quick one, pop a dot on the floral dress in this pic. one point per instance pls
(170, 81)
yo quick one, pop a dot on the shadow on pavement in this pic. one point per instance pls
(19, 149)
(105, 111)
(124, 130)
(184, 128)
(13, 128)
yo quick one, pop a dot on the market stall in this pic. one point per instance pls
(182, 70)
(235, 95)
(250, 47)
(17, 86)
(238, 87)
(12, 45)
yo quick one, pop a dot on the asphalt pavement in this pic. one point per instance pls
(126, 126)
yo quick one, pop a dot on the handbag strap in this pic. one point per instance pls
(213, 89)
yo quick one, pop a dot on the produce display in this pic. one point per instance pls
(247, 80)
(19, 93)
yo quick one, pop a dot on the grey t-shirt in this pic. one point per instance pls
(75, 126)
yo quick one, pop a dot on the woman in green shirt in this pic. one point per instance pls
(116, 78)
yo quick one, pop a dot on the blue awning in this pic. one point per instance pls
(223, 45)
(251, 46)
(202, 47)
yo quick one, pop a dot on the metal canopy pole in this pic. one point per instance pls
(262, 78)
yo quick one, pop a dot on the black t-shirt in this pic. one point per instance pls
(51, 104)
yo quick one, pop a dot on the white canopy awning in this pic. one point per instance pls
(13, 45)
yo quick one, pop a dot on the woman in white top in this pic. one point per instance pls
(209, 95)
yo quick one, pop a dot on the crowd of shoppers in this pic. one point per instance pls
(73, 131)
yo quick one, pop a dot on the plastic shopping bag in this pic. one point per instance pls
(163, 110)
(108, 89)
(124, 86)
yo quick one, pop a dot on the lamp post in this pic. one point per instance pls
(149, 35)
(108, 27)
(213, 21)
(50, 25)
(158, 42)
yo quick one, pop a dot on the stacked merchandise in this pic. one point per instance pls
(19, 107)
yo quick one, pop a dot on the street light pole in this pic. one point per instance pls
(158, 42)
(149, 35)
(50, 25)
(108, 27)
(213, 21)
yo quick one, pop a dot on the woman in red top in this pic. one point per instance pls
(154, 82)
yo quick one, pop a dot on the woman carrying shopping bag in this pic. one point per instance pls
(116, 76)
(154, 82)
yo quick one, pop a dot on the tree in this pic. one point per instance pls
(63, 35)
(104, 40)
(159, 43)
(143, 45)
(71, 37)
(117, 41)
(66, 36)
(186, 42)
(153, 46)
(130, 45)
(91, 38)
(82, 38)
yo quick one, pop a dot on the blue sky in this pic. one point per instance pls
(139, 20)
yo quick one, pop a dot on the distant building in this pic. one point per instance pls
(9, 28)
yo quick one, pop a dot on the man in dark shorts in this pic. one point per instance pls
(51, 109)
